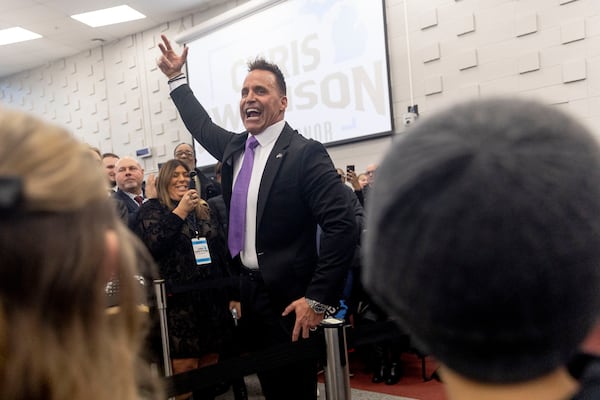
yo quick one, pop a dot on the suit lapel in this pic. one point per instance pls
(237, 144)
(235, 147)
(272, 168)
(132, 206)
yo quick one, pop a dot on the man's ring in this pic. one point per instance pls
(312, 329)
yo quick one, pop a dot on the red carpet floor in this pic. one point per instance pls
(411, 384)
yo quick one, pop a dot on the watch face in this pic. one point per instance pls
(316, 306)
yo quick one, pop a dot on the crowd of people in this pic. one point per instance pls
(480, 238)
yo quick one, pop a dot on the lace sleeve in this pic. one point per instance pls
(158, 228)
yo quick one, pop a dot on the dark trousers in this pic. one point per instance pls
(264, 327)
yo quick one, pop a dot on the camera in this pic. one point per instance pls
(409, 118)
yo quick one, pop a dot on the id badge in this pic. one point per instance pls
(201, 252)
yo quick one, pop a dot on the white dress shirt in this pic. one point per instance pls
(132, 196)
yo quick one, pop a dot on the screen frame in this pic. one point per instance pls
(252, 8)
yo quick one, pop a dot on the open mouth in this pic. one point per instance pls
(252, 113)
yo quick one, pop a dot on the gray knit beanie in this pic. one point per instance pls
(483, 237)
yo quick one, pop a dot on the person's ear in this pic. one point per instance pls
(111, 255)
(284, 103)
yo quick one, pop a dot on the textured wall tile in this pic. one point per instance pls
(154, 85)
(572, 31)
(156, 107)
(465, 25)
(161, 150)
(527, 24)
(174, 135)
(158, 129)
(468, 59)
(428, 19)
(529, 62)
(430, 53)
(574, 71)
(433, 85)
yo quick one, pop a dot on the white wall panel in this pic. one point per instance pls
(114, 96)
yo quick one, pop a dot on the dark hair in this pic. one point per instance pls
(182, 143)
(105, 155)
(262, 64)
(484, 237)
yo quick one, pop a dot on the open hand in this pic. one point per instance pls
(306, 319)
(151, 187)
(170, 63)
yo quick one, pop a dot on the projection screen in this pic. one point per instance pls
(333, 54)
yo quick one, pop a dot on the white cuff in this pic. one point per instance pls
(177, 81)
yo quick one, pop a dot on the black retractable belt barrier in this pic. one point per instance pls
(330, 346)
(272, 358)
(285, 354)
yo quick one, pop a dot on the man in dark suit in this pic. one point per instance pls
(185, 153)
(129, 176)
(293, 186)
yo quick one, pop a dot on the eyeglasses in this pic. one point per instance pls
(184, 153)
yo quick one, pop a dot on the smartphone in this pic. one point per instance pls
(350, 168)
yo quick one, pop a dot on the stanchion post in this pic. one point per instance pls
(161, 305)
(337, 375)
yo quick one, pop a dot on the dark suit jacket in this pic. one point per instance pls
(299, 189)
(209, 189)
(132, 206)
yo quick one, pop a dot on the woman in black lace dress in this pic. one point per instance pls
(192, 259)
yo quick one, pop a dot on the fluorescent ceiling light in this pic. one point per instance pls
(109, 16)
(15, 35)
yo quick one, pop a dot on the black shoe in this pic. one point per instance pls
(221, 388)
(239, 390)
(380, 375)
(394, 375)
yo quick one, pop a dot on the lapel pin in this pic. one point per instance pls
(279, 155)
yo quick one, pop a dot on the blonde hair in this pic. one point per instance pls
(56, 340)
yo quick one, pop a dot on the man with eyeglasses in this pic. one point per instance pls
(371, 169)
(362, 192)
(184, 152)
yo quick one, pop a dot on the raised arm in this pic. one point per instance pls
(170, 63)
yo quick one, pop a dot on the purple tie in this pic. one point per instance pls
(239, 196)
(139, 200)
